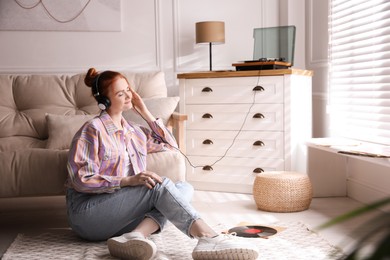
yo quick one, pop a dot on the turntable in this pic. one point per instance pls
(277, 42)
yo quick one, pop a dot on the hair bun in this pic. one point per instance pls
(90, 78)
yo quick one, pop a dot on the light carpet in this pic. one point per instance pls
(295, 241)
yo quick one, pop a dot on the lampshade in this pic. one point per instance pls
(210, 32)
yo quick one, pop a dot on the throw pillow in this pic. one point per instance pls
(159, 107)
(170, 164)
(62, 128)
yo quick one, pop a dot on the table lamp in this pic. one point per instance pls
(211, 32)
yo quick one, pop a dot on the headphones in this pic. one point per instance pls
(103, 102)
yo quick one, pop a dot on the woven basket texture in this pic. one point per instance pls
(282, 191)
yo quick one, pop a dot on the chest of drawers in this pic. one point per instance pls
(243, 123)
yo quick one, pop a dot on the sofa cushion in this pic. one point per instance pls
(14, 143)
(33, 172)
(31, 96)
(25, 99)
(62, 128)
(170, 164)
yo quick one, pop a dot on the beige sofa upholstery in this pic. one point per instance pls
(39, 115)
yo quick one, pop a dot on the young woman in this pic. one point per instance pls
(112, 196)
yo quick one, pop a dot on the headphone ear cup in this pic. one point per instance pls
(103, 103)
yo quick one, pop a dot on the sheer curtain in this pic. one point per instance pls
(359, 90)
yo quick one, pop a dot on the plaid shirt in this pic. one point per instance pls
(96, 156)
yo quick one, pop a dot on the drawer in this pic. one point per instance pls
(258, 144)
(230, 170)
(234, 90)
(264, 117)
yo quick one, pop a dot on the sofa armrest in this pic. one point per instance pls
(176, 125)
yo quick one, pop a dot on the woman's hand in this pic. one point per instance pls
(140, 107)
(147, 178)
(137, 102)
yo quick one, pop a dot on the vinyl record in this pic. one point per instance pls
(253, 231)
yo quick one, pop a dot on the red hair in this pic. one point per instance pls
(104, 80)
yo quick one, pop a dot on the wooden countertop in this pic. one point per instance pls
(246, 73)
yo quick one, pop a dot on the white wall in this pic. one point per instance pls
(156, 35)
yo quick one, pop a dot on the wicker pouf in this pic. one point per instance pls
(281, 191)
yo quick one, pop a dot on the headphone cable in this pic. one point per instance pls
(230, 146)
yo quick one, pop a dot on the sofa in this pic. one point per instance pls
(39, 114)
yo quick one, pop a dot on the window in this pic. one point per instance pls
(359, 90)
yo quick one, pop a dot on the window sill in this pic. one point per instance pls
(369, 152)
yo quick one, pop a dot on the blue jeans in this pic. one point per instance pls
(98, 217)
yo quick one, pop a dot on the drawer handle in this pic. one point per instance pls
(207, 115)
(207, 168)
(258, 115)
(207, 141)
(207, 89)
(258, 170)
(259, 143)
(258, 88)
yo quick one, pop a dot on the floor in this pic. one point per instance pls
(226, 209)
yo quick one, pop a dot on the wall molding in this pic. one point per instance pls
(314, 63)
(158, 25)
(263, 7)
(175, 31)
